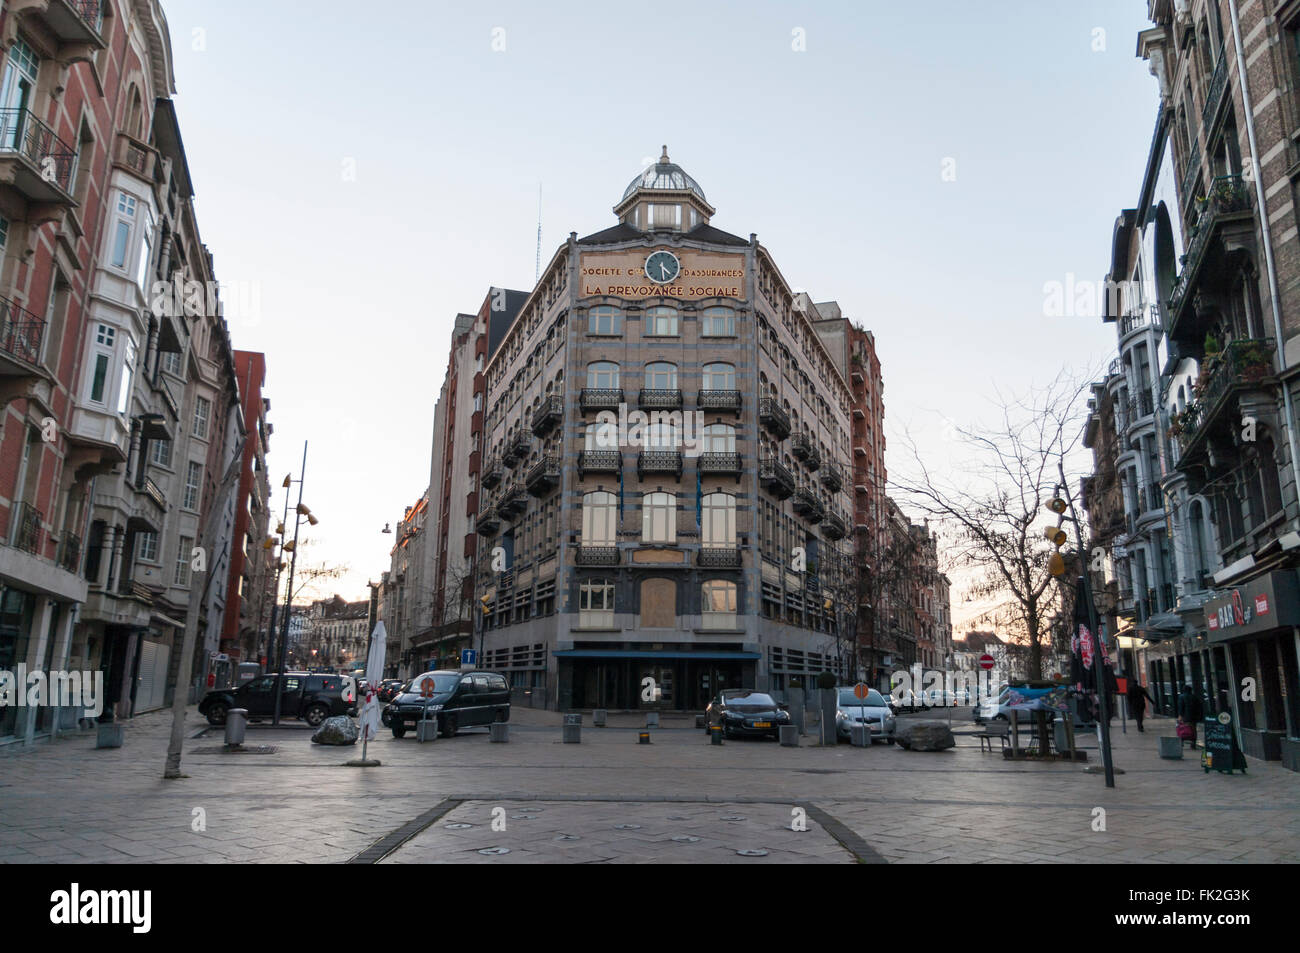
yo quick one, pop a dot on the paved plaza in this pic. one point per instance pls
(610, 799)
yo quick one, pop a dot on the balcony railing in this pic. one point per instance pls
(600, 398)
(597, 556)
(549, 413)
(774, 417)
(21, 133)
(1228, 195)
(801, 444)
(834, 527)
(719, 557)
(488, 522)
(1147, 317)
(20, 332)
(1245, 363)
(1214, 96)
(720, 400)
(599, 461)
(808, 504)
(659, 461)
(517, 449)
(150, 489)
(1140, 405)
(1191, 173)
(776, 477)
(27, 535)
(513, 501)
(832, 476)
(659, 398)
(543, 476)
(728, 464)
(492, 471)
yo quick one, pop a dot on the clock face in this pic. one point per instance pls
(662, 267)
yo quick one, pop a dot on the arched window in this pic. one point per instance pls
(659, 518)
(661, 376)
(605, 319)
(661, 434)
(718, 520)
(599, 519)
(602, 374)
(661, 320)
(718, 322)
(718, 604)
(719, 376)
(602, 435)
(596, 604)
(719, 438)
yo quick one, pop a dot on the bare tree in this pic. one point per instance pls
(994, 502)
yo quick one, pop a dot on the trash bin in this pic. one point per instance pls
(427, 730)
(652, 719)
(789, 736)
(598, 717)
(1059, 737)
(860, 735)
(1171, 747)
(236, 724)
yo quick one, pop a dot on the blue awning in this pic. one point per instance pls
(639, 654)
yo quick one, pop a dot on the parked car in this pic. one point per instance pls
(987, 711)
(908, 700)
(310, 697)
(390, 688)
(873, 711)
(458, 700)
(746, 712)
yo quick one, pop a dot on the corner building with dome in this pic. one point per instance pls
(665, 474)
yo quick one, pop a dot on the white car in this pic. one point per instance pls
(872, 711)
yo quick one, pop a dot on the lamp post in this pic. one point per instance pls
(299, 512)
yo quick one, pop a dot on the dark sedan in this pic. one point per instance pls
(747, 713)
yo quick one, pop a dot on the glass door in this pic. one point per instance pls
(16, 88)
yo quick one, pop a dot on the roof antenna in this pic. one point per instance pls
(537, 267)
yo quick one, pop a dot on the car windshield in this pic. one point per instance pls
(751, 699)
(850, 700)
(442, 682)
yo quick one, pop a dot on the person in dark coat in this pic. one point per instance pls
(1137, 701)
(1190, 710)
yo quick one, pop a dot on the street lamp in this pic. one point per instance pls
(292, 547)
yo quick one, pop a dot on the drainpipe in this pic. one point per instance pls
(1261, 202)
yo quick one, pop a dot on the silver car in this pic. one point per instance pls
(872, 711)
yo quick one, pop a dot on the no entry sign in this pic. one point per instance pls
(986, 662)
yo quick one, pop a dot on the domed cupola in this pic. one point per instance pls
(664, 198)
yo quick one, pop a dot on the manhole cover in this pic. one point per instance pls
(627, 827)
(734, 817)
(457, 827)
(523, 817)
(242, 749)
(505, 850)
(568, 837)
(752, 853)
(685, 839)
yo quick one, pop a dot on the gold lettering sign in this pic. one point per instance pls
(622, 273)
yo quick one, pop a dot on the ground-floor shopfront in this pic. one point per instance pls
(663, 679)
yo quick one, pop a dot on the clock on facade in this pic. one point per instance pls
(662, 267)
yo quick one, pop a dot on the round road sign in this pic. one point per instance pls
(861, 690)
(987, 662)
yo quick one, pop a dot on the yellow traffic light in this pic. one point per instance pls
(1057, 505)
(1056, 564)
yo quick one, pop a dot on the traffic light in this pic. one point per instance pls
(1057, 537)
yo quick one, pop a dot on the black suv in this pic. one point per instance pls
(458, 700)
(313, 697)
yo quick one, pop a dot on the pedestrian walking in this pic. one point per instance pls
(1137, 701)
(1190, 711)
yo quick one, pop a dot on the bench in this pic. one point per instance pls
(994, 729)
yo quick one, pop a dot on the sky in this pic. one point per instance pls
(362, 174)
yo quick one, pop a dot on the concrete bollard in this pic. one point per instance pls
(426, 730)
(860, 736)
(1171, 747)
(715, 734)
(573, 718)
(571, 733)
(110, 736)
(652, 719)
(599, 717)
(498, 732)
(789, 736)
(699, 721)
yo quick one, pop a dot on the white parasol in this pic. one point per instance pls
(371, 720)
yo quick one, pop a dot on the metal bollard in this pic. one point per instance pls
(571, 733)
(236, 724)
(860, 735)
(789, 736)
(652, 719)
(715, 734)
(499, 732)
(426, 730)
(598, 717)
(643, 738)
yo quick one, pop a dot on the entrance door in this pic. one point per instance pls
(16, 88)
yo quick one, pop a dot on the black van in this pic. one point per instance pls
(457, 700)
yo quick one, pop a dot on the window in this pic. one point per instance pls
(171, 362)
(596, 603)
(605, 319)
(122, 229)
(193, 478)
(602, 374)
(101, 361)
(128, 371)
(719, 438)
(718, 604)
(661, 320)
(718, 323)
(659, 518)
(719, 377)
(661, 376)
(602, 436)
(718, 520)
(599, 519)
(202, 411)
(661, 435)
(146, 547)
(146, 251)
(160, 452)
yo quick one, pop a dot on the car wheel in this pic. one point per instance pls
(399, 731)
(315, 714)
(449, 726)
(217, 713)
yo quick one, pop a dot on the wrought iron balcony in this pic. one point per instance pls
(1146, 317)
(832, 476)
(492, 471)
(549, 413)
(597, 556)
(774, 417)
(513, 501)
(834, 527)
(41, 165)
(27, 522)
(1244, 364)
(543, 476)
(720, 400)
(802, 445)
(150, 489)
(720, 464)
(75, 21)
(659, 398)
(775, 477)
(488, 522)
(1228, 200)
(517, 449)
(808, 504)
(20, 338)
(1214, 95)
(659, 461)
(1139, 406)
(599, 461)
(70, 552)
(718, 557)
(600, 398)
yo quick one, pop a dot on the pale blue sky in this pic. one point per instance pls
(832, 155)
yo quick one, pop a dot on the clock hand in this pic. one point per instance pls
(663, 271)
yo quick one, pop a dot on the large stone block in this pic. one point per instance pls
(925, 736)
(339, 730)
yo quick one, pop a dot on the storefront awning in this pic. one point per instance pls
(640, 654)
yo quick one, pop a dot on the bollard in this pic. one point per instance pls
(426, 730)
(789, 736)
(598, 717)
(498, 732)
(643, 738)
(699, 722)
(109, 735)
(715, 734)
(571, 733)
(860, 736)
(236, 724)
(1171, 747)
(652, 719)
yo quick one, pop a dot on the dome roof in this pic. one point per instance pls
(664, 175)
